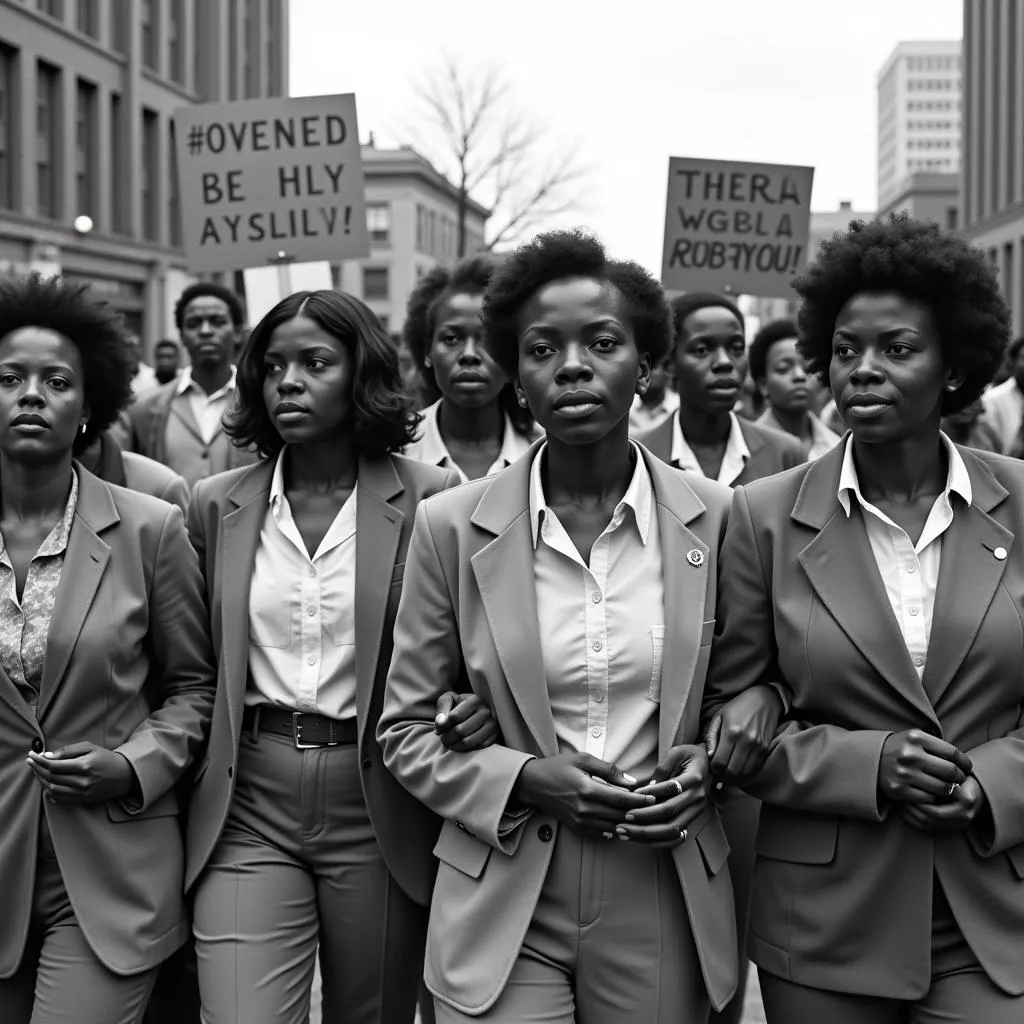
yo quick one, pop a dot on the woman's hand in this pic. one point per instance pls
(584, 793)
(739, 735)
(958, 811)
(84, 773)
(917, 768)
(680, 787)
(464, 722)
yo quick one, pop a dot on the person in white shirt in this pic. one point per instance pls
(298, 835)
(581, 863)
(657, 404)
(476, 427)
(1004, 403)
(778, 371)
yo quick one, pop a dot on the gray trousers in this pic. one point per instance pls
(298, 867)
(60, 979)
(609, 943)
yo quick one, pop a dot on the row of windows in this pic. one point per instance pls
(437, 235)
(931, 125)
(933, 105)
(932, 165)
(932, 85)
(933, 144)
(933, 63)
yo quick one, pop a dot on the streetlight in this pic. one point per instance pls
(83, 224)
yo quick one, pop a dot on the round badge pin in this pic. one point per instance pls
(1000, 553)
(695, 558)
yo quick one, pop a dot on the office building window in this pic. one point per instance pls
(421, 228)
(118, 199)
(150, 149)
(149, 14)
(54, 8)
(85, 149)
(173, 190)
(87, 18)
(7, 58)
(432, 232)
(385, 322)
(47, 135)
(175, 32)
(375, 282)
(952, 218)
(251, 49)
(233, 50)
(275, 30)
(378, 223)
(120, 22)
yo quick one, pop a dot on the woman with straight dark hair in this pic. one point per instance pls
(477, 427)
(299, 838)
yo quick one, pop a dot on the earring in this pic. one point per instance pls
(641, 389)
(522, 401)
(426, 362)
(952, 387)
(85, 425)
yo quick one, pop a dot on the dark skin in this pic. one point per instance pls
(709, 365)
(889, 376)
(787, 388)
(42, 409)
(471, 420)
(209, 336)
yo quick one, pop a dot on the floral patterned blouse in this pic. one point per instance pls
(24, 624)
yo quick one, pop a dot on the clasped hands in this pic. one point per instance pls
(930, 781)
(83, 773)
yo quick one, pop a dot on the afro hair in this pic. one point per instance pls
(200, 290)
(53, 304)
(683, 305)
(757, 352)
(554, 256)
(916, 260)
(470, 276)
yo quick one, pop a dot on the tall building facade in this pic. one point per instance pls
(992, 193)
(919, 114)
(411, 213)
(88, 89)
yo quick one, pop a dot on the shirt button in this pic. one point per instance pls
(596, 598)
(596, 731)
(598, 698)
(919, 661)
(597, 645)
(544, 833)
(311, 611)
(312, 570)
(911, 567)
(914, 611)
(37, 746)
(311, 660)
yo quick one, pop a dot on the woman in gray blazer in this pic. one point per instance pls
(106, 680)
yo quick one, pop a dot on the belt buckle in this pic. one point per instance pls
(297, 733)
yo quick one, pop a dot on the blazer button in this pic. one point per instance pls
(37, 746)
(231, 771)
(367, 763)
(545, 832)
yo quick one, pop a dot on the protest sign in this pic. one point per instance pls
(270, 180)
(736, 227)
(265, 287)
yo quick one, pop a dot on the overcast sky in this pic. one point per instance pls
(631, 82)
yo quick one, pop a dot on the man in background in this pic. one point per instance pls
(166, 360)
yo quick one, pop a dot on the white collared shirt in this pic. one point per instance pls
(1004, 409)
(602, 628)
(302, 639)
(644, 417)
(429, 446)
(822, 439)
(910, 572)
(734, 460)
(208, 410)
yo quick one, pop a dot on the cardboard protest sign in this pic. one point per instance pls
(737, 227)
(270, 180)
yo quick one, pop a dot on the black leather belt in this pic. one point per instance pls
(304, 730)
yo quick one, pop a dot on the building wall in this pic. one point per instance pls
(992, 194)
(919, 113)
(929, 197)
(88, 89)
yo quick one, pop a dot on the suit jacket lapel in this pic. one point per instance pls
(84, 564)
(240, 539)
(12, 696)
(378, 531)
(504, 576)
(968, 567)
(181, 407)
(836, 557)
(685, 595)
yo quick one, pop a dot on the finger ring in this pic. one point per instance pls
(678, 785)
(607, 835)
(682, 835)
(953, 787)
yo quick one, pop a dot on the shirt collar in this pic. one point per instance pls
(432, 448)
(639, 497)
(185, 383)
(56, 542)
(736, 450)
(958, 480)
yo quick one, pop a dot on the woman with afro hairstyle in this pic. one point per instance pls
(106, 679)
(476, 427)
(582, 870)
(299, 840)
(881, 587)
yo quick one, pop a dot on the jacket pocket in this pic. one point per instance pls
(398, 574)
(707, 632)
(1016, 855)
(713, 845)
(657, 657)
(796, 837)
(460, 850)
(270, 621)
(165, 806)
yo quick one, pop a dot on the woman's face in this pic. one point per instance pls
(786, 385)
(308, 376)
(579, 365)
(710, 360)
(466, 374)
(42, 395)
(888, 373)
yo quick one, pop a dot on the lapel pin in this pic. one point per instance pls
(696, 558)
(1000, 553)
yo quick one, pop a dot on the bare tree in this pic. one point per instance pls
(494, 154)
